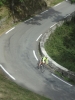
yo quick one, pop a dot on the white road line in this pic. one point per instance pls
(7, 72)
(10, 30)
(53, 25)
(35, 55)
(57, 4)
(39, 37)
(28, 19)
(44, 11)
(61, 79)
(67, 15)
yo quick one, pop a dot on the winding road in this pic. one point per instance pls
(19, 54)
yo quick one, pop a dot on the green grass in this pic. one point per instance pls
(3, 12)
(54, 2)
(51, 3)
(61, 45)
(6, 25)
(11, 91)
(72, 1)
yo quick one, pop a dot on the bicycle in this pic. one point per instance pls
(41, 67)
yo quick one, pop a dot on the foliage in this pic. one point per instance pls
(61, 45)
(2, 2)
(23, 9)
(72, 1)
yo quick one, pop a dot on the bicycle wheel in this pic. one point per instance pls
(38, 64)
(42, 68)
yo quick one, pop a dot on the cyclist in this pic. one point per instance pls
(44, 60)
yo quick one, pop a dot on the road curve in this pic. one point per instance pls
(19, 54)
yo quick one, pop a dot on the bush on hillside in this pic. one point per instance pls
(72, 1)
(61, 45)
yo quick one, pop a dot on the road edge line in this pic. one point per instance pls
(7, 72)
(9, 30)
(35, 55)
(61, 80)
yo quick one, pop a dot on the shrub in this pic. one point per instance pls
(61, 45)
(72, 1)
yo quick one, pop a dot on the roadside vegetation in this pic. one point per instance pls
(22, 9)
(72, 1)
(61, 45)
(11, 91)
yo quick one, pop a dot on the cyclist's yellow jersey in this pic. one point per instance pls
(45, 60)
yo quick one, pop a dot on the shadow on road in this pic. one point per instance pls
(51, 13)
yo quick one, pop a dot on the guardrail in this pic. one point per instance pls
(64, 71)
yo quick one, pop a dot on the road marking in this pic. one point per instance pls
(57, 4)
(53, 25)
(35, 55)
(67, 15)
(39, 37)
(44, 11)
(10, 30)
(61, 80)
(28, 19)
(7, 72)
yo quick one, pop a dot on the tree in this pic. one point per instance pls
(2, 2)
(72, 1)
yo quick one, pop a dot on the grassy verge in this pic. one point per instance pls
(11, 91)
(6, 25)
(3, 12)
(52, 2)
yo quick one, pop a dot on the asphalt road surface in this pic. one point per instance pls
(19, 54)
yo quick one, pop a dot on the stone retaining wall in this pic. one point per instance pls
(52, 63)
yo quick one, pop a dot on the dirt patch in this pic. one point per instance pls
(6, 25)
(3, 12)
(1, 95)
(48, 2)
